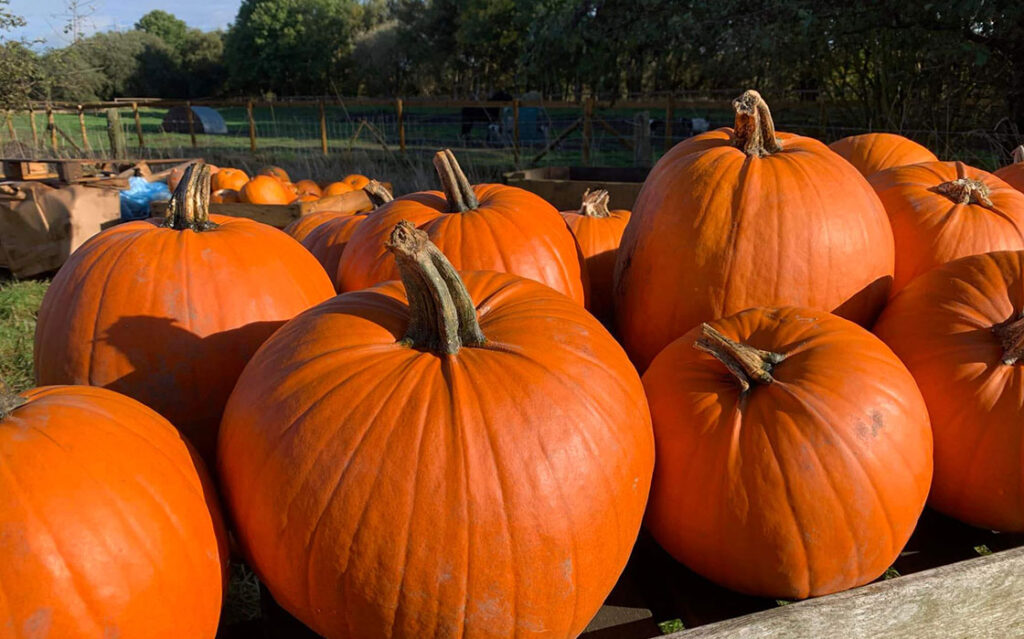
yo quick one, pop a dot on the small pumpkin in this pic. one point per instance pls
(228, 178)
(307, 197)
(309, 187)
(598, 232)
(794, 453)
(337, 188)
(169, 311)
(355, 180)
(483, 227)
(264, 189)
(275, 172)
(224, 195)
(110, 525)
(1013, 174)
(958, 328)
(941, 211)
(493, 417)
(870, 153)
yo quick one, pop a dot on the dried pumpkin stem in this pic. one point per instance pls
(748, 365)
(595, 203)
(442, 317)
(189, 207)
(457, 189)
(1018, 154)
(378, 193)
(965, 191)
(9, 400)
(754, 128)
(1011, 335)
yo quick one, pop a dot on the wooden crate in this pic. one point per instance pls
(563, 186)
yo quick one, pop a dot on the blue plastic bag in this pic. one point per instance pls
(136, 198)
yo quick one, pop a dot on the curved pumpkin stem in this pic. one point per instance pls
(189, 207)
(9, 400)
(378, 193)
(1018, 154)
(595, 203)
(965, 191)
(748, 365)
(754, 128)
(1011, 335)
(442, 317)
(457, 189)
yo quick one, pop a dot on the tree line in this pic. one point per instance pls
(945, 65)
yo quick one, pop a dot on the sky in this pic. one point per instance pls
(46, 18)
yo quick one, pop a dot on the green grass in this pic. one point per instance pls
(19, 303)
(670, 626)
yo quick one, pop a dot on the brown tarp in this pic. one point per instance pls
(40, 225)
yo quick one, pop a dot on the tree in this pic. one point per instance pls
(77, 14)
(164, 26)
(20, 74)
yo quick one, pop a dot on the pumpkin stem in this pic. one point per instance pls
(754, 128)
(442, 317)
(1011, 334)
(595, 203)
(965, 191)
(1018, 154)
(748, 365)
(457, 189)
(9, 400)
(378, 193)
(189, 207)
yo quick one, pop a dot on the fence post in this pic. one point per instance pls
(81, 127)
(399, 112)
(323, 128)
(642, 139)
(138, 125)
(515, 131)
(669, 114)
(252, 127)
(191, 123)
(10, 127)
(32, 123)
(588, 129)
(52, 126)
(116, 134)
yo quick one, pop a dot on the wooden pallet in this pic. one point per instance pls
(70, 170)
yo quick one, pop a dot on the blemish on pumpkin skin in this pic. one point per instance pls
(877, 424)
(38, 625)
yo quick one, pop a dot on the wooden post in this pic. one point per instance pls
(515, 132)
(10, 127)
(642, 139)
(81, 127)
(116, 134)
(32, 123)
(669, 114)
(138, 125)
(323, 128)
(191, 123)
(52, 126)
(588, 129)
(252, 127)
(401, 124)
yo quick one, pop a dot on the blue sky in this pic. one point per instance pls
(45, 18)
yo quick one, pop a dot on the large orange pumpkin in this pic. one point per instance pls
(793, 452)
(110, 527)
(598, 232)
(328, 240)
(874, 152)
(744, 217)
(940, 211)
(275, 172)
(959, 330)
(169, 311)
(226, 178)
(264, 189)
(473, 462)
(303, 226)
(484, 227)
(1013, 174)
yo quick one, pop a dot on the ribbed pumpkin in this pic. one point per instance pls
(744, 217)
(308, 187)
(169, 311)
(473, 463)
(941, 211)
(303, 226)
(487, 227)
(226, 178)
(874, 152)
(793, 452)
(960, 331)
(264, 189)
(1014, 173)
(276, 172)
(355, 180)
(598, 232)
(337, 188)
(108, 525)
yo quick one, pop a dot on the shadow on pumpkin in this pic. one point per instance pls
(866, 305)
(184, 377)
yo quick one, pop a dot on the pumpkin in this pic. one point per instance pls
(226, 178)
(870, 153)
(306, 197)
(110, 526)
(475, 456)
(264, 189)
(308, 187)
(275, 172)
(328, 240)
(959, 330)
(1014, 173)
(598, 232)
(940, 211)
(224, 195)
(355, 180)
(174, 177)
(169, 311)
(300, 227)
(337, 188)
(793, 452)
(484, 227)
(743, 217)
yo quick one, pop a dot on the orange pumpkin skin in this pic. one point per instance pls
(337, 188)
(355, 180)
(110, 526)
(327, 241)
(933, 228)
(308, 197)
(224, 195)
(302, 226)
(174, 177)
(494, 492)
(170, 317)
(870, 153)
(715, 231)
(598, 237)
(946, 326)
(264, 189)
(275, 172)
(1012, 175)
(226, 178)
(801, 487)
(308, 187)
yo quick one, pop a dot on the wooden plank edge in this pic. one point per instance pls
(978, 597)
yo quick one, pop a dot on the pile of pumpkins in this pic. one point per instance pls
(272, 185)
(457, 445)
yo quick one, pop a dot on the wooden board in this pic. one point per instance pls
(564, 186)
(281, 215)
